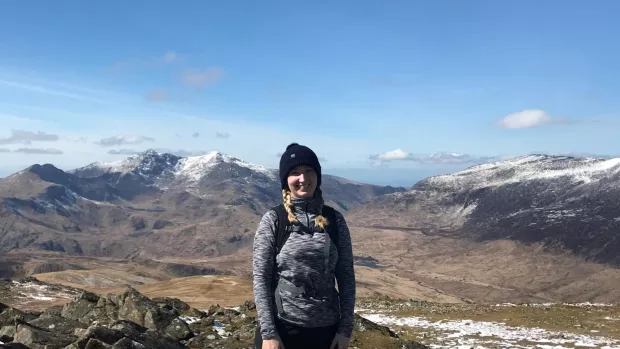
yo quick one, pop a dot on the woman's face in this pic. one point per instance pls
(302, 181)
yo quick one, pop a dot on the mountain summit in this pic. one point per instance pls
(157, 166)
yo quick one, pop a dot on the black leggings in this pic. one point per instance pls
(295, 337)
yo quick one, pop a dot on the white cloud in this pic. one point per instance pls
(181, 152)
(27, 137)
(178, 152)
(123, 151)
(397, 154)
(436, 158)
(528, 118)
(123, 139)
(446, 158)
(222, 134)
(38, 151)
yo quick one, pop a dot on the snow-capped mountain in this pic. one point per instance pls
(162, 202)
(194, 174)
(152, 164)
(563, 202)
(214, 173)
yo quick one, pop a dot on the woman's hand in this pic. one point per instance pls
(340, 342)
(272, 344)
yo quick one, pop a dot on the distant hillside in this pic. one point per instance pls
(563, 202)
(151, 204)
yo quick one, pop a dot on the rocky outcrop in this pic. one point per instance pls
(133, 321)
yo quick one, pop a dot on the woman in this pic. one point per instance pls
(294, 286)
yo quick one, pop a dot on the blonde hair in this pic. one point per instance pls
(320, 221)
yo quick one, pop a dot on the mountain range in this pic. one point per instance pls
(564, 203)
(530, 228)
(150, 204)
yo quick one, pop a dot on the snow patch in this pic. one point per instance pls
(529, 168)
(256, 168)
(189, 319)
(33, 291)
(483, 334)
(576, 305)
(220, 328)
(193, 168)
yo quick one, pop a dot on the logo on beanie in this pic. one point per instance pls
(292, 155)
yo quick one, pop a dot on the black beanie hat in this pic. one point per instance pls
(296, 155)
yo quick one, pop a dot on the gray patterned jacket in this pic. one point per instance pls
(301, 260)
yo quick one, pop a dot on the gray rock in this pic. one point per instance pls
(133, 321)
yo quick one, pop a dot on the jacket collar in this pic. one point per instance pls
(305, 205)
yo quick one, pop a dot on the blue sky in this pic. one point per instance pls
(374, 87)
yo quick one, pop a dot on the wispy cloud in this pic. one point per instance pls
(451, 159)
(177, 152)
(150, 62)
(157, 95)
(5, 150)
(123, 139)
(529, 118)
(137, 124)
(436, 158)
(50, 91)
(123, 151)
(38, 151)
(182, 152)
(170, 57)
(204, 78)
(392, 155)
(27, 137)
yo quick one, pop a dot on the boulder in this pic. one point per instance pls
(38, 338)
(100, 334)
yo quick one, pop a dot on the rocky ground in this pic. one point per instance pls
(131, 320)
(480, 326)
(45, 316)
